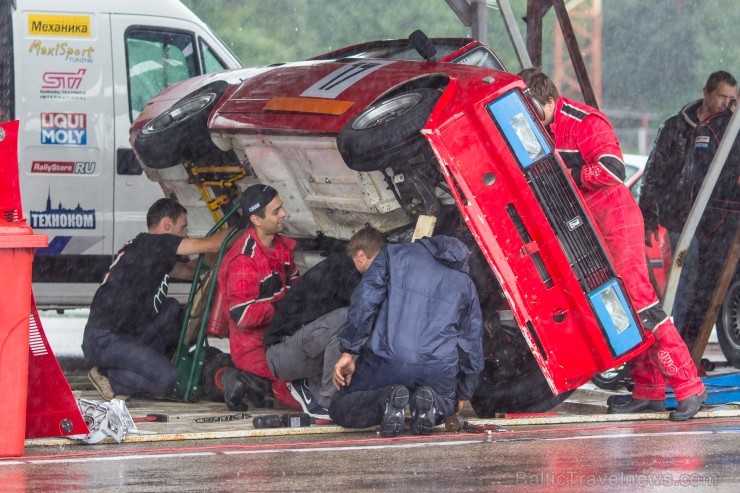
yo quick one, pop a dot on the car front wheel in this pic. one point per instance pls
(388, 131)
(511, 380)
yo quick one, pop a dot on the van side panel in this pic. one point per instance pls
(70, 85)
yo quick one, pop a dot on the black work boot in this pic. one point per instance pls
(632, 405)
(257, 389)
(688, 407)
(234, 390)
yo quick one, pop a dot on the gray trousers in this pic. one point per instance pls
(310, 353)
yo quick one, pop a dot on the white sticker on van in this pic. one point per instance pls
(342, 78)
(64, 167)
(62, 217)
(64, 128)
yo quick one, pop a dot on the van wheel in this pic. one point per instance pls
(511, 380)
(388, 131)
(214, 365)
(181, 133)
(728, 325)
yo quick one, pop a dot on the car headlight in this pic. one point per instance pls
(615, 317)
(517, 124)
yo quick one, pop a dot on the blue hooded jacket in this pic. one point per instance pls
(415, 319)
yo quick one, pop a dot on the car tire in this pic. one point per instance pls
(388, 131)
(514, 383)
(613, 379)
(214, 365)
(180, 134)
(530, 393)
(728, 325)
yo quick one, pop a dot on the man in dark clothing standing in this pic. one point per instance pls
(721, 217)
(415, 326)
(132, 321)
(660, 201)
(301, 340)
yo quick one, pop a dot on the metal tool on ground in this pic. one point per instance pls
(152, 418)
(219, 418)
(455, 423)
(292, 420)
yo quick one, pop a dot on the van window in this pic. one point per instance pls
(211, 63)
(156, 60)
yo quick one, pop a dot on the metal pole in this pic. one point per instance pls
(515, 35)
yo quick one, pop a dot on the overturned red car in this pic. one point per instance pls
(399, 133)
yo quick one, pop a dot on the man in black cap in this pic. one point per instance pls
(255, 273)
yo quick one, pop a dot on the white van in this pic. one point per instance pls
(76, 74)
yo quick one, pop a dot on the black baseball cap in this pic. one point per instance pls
(254, 199)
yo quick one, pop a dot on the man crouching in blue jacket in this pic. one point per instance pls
(415, 325)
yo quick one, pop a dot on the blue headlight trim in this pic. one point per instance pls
(518, 125)
(615, 316)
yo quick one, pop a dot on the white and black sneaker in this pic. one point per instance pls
(300, 391)
(394, 414)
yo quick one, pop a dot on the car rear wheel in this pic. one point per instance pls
(388, 131)
(181, 133)
(728, 325)
(215, 364)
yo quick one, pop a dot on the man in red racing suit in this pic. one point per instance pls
(256, 272)
(589, 147)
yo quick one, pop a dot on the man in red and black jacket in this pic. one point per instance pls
(585, 140)
(255, 273)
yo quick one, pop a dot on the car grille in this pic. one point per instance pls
(569, 220)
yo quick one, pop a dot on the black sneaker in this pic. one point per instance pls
(300, 391)
(394, 414)
(422, 411)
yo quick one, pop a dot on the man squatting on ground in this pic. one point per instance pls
(256, 272)
(301, 341)
(589, 147)
(132, 322)
(414, 324)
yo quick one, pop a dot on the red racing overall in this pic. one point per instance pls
(590, 149)
(252, 277)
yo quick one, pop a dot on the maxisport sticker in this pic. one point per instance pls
(64, 128)
(63, 167)
(69, 53)
(77, 26)
(62, 217)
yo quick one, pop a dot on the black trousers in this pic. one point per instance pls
(136, 364)
(365, 408)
